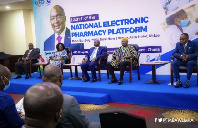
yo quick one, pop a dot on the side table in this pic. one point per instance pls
(154, 64)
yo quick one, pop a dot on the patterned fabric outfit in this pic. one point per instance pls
(129, 51)
(122, 52)
(58, 55)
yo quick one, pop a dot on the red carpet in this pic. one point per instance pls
(151, 114)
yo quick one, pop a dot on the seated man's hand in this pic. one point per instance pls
(84, 60)
(187, 57)
(117, 58)
(183, 56)
(24, 59)
(20, 113)
(93, 59)
(122, 59)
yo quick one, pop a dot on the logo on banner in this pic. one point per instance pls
(40, 3)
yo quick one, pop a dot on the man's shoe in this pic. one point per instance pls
(120, 82)
(94, 80)
(113, 81)
(86, 80)
(187, 84)
(18, 77)
(26, 77)
(178, 84)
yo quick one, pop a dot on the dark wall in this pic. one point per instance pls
(9, 60)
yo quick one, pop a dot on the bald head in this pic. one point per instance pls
(58, 19)
(43, 101)
(53, 74)
(4, 71)
(96, 43)
(5, 75)
(30, 45)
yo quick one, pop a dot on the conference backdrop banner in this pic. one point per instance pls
(155, 25)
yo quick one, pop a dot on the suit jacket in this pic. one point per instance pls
(191, 50)
(101, 53)
(34, 54)
(49, 44)
(72, 116)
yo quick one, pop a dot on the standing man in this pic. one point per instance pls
(91, 60)
(43, 110)
(61, 33)
(23, 65)
(121, 59)
(186, 53)
(72, 116)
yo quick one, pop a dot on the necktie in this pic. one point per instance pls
(92, 56)
(59, 38)
(28, 53)
(184, 47)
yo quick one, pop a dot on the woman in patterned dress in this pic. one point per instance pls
(57, 57)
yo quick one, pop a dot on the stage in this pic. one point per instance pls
(137, 92)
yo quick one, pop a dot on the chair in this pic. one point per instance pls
(102, 61)
(33, 67)
(130, 67)
(67, 61)
(182, 69)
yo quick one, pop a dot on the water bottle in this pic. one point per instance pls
(46, 59)
(39, 60)
(148, 59)
(159, 57)
(73, 60)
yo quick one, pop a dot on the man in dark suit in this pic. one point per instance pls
(43, 110)
(61, 33)
(72, 116)
(186, 53)
(23, 65)
(91, 60)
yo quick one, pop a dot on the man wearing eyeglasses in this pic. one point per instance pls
(61, 32)
(9, 117)
(186, 53)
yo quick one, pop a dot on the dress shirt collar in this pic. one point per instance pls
(62, 40)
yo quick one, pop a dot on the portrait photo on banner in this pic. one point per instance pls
(61, 32)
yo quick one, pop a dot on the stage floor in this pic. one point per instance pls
(137, 92)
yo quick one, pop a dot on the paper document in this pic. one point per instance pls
(20, 106)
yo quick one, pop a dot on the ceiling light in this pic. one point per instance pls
(7, 7)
